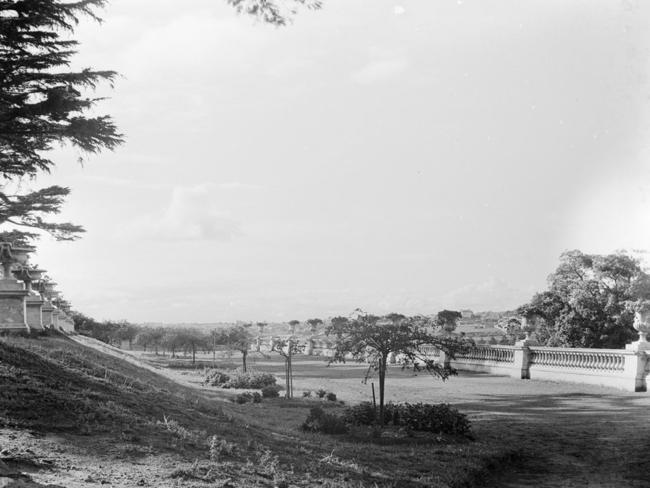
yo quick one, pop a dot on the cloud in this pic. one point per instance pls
(193, 214)
(399, 10)
(379, 71)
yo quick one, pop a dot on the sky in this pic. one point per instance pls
(396, 157)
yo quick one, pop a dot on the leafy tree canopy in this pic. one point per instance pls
(588, 301)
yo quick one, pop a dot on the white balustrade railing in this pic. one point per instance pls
(594, 359)
(497, 354)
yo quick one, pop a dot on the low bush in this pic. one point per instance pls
(238, 379)
(326, 423)
(331, 397)
(214, 377)
(248, 397)
(425, 417)
(271, 391)
(306, 394)
(362, 414)
(321, 393)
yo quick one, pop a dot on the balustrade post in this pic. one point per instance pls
(635, 371)
(521, 366)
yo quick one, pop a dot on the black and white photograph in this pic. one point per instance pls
(325, 243)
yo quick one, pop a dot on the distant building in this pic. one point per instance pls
(467, 314)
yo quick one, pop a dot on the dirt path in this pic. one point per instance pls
(578, 435)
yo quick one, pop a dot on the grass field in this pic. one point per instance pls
(71, 416)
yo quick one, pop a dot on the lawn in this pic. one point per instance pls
(74, 415)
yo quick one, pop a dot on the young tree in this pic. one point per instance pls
(371, 338)
(287, 348)
(239, 339)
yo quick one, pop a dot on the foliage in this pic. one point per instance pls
(321, 393)
(424, 417)
(239, 379)
(326, 423)
(42, 105)
(273, 11)
(447, 319)
(271, 391)
(236, 339)
(363, 413)
(369, 338)
(287, 349)
(330, 397)
(588, 301)
(215, 377)
(248, 397)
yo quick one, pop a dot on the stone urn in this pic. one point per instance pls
(28, 275)
(528, 326)
(21, 254)
(642, 319)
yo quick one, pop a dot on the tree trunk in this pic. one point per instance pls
(244, 353)
(286, 376)
(382, 378)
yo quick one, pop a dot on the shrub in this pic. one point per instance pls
(439, 419)
(214, 377)
(238, 379)
(257, 398)
(243, 398)
(271, 391)
(321, 393)
(250, 379)
(325, 423)
(331, 397)
(361, 414)
(306, 394)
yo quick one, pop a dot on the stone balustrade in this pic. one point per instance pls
(591, 359)
(627, 369)
(497, 354)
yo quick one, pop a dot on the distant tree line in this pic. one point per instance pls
(167, 340)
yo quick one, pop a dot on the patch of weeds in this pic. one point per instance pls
(306, 394)
(220, 448)
(183, 435)
(331, 397)
(321, 393)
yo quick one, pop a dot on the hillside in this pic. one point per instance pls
(71, 416)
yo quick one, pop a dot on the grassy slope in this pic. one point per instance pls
(51, 384)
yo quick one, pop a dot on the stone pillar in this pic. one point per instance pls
(13, 309)
(46, 311)
(521, 367)
(635, 370)
(444, 359)
(34, 313)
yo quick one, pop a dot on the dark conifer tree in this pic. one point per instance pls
(43, 104)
